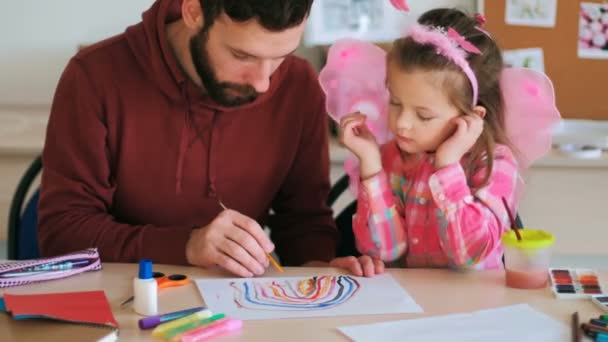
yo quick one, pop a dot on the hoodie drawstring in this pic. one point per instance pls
(183, 143)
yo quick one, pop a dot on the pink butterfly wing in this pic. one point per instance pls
(530, 112)
(353, 80)
(400, 5)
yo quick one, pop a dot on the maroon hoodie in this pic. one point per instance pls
(136, 156)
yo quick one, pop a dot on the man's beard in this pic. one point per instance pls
(220, 92)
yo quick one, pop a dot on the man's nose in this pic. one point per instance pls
(260, 76)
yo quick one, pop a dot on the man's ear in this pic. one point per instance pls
(480, 111)
(192, 14)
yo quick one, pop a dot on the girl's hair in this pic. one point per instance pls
(410, 55)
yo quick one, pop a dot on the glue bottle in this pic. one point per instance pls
(145, 290)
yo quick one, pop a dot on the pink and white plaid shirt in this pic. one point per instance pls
(430, 217)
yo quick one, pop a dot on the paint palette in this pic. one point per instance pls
(601, 301)
(568, 283)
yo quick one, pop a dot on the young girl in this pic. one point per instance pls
(434, 194)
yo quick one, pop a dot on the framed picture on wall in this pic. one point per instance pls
(370, 20)
(532, 58)
(593, 31)
(540, 13)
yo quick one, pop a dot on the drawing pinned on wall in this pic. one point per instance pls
(532, 58)
(540, 13)
(593, 31)
(318, 296)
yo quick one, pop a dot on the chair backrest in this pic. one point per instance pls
(23, 219)
(344, 219)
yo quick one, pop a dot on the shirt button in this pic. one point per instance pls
(442, 197)
(422, 201)
(415, 241)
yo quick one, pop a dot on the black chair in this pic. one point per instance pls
(344, 219)
(518, 223)
(23, 217)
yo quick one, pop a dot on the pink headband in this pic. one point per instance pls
(451, 45)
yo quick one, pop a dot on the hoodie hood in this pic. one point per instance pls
(150, 46)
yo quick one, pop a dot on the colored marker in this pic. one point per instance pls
(601, 337)
(218, 328)
(154, 321)
(165, 327)
(30, 273)
(589, 333)
(53, 267)
(593, 329)
(58, 266)
(176, 333)
(599, 323)
(604, 318)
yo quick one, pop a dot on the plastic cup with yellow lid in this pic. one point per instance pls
(527, 260)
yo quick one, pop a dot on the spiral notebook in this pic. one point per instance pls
(89, 308)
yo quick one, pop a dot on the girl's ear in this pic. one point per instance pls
(192, 14)
(480, 111)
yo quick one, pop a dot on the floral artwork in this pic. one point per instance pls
(593, 31)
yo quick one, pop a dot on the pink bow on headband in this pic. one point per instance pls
(462, 42)
(481, 19)
(400, 5)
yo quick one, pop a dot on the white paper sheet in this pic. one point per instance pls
(511, 323)
(273, 298)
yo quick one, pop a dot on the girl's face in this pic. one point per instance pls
(421, 115)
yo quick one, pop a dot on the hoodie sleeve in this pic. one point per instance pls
(302, 226)
(77, 186)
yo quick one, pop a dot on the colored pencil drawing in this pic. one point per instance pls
(312, 293)
(305, 296)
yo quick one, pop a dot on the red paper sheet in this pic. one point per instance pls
(90, 307)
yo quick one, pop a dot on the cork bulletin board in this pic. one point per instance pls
(581, 85)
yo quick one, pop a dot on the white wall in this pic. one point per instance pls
(37, 38)
(331, 20)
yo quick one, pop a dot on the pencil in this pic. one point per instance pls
(272, 261)
(511, 219)
(576, 333)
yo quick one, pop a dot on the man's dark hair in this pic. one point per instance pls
(273, 15)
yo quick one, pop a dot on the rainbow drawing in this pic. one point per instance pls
(295, 294)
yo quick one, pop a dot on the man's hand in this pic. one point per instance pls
(361, 266)
(233, 241)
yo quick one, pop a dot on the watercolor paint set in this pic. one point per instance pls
(569, 283)
(601, 301)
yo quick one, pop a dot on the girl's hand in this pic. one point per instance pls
(356, 136)
(468, 130)
(362, 266)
